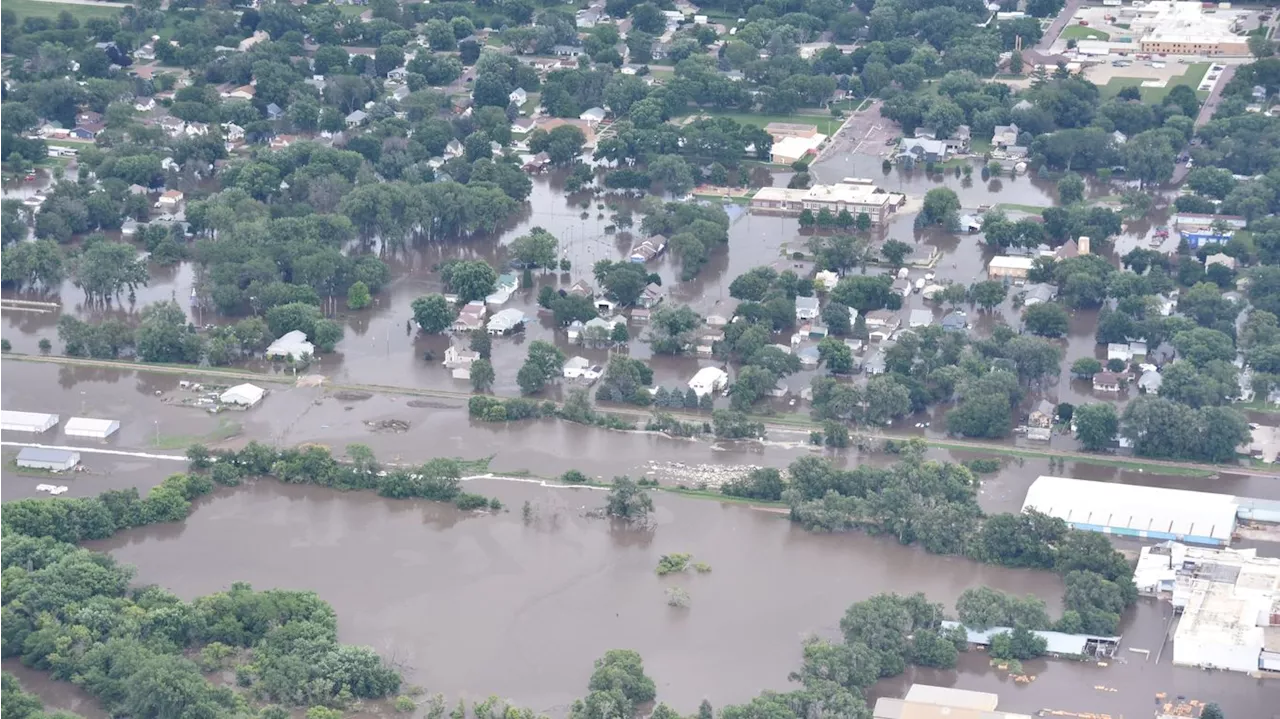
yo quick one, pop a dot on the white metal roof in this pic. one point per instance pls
(246, 393)
(14, 421)
(78, 425)
(1018, 263)
(1151, 509)
(947, 696)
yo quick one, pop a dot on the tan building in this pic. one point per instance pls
(780, 130)
(1182, 28)
(929, 702)
(853, 195)
(1013, 267)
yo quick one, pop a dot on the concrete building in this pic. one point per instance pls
(851, 194)
(1012, 267)
(782, 130)
(34, 422)
(1136, 511)
(1229, 601)
(92, 428)
(1183, 28)
(245, 395)
(790, 149)
(51, 460)
(924, 701)
(709, 380)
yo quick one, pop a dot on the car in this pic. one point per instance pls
(891, 141)
(1085, 23)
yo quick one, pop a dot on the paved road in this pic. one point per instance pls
(800, 425)
(1209, 107)
(1055, 28)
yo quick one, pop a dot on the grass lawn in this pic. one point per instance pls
(351, 10)
(1155, 95)
(826, 124)
(980, 146)
(1080, 32)
(1029, 209)
(30, 8)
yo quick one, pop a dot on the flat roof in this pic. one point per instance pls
(948, 696)
(1136, 508)
(1008, 261)
(42, 454)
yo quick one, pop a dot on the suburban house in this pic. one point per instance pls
(471, 317)
(806, 308)
(902, 287)
(170, 199)
(521, 126)
(1126, 351)
(581, 368)
(146, 104)
(1150, 381)
(87, 130)
(459, 360)
(356, 118)
(919, 318)
(1038, 293)
(1042, 415)
(506, 322)
(1218, 258)
(1107, 382)
(244, 92)
(650, 297)
(566, 51)
(454, 149)
(648, 249)
(518, 97)
(955, 321)
(274, 112)
(581, 288)
(881, 324)
(1012, 267)
(593, 116)
(1004, 136)
(876, 363)
(922, 150)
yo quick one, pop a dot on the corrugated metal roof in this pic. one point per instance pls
(41, 454)
(948, 696)
(1134, 508)
(1055, 642)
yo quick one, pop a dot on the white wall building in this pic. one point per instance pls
(1135, 511)
(291, 344)
(246, 395)
(1229, 601)
(36, 422)
(709, 380)
(52, 460)
(90, 427)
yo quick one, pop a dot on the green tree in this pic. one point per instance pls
(1096, 425)
(481, 343)
(1086, 367)
(941, 204)
(537, 248)
(627, 500)
(433, 314)
(895, 252)
(1070, 189)
(105, 269)
(1046, 319)
(543, 364)
(358, 296)
(163, 336)
(482, 375)
(470, 279)
(836, 355)
(988, 293)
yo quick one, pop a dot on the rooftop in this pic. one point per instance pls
(1138, 509)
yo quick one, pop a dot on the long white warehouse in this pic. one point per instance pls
(1142, 512)
(11, 421)
(89, 427)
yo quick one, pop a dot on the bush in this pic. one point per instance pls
(983, 466)
(573, 476)
(405, 704)
(468, 502)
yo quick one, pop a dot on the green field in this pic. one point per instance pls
(826, 124)
(1080, 32)
(1155, 95)
(31, 8)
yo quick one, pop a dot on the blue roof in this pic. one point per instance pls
(1056, 642)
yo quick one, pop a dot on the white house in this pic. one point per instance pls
(506, 321)
(291, 344)
(594, 116)
(90, 427)
(460, 360)
(170, 199)
(518, 97)
(356, 118)
(581, 368)
(709, 380)
(806, 308)
(50, 460)
(146, 104)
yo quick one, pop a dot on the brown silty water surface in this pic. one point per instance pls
(475, 605)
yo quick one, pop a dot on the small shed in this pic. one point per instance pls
(35, 422)
(52, 460)
(246, 395)
(92, 428)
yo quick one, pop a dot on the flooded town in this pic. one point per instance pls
(884, 360)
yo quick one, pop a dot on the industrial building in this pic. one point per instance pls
(924, 701)
(92, 428)
(246, 395)
(852, 195)
(52, 460)
(34, 422)
(1142, 512)
(1183, 28)
(1056, 643)
(1229, 601)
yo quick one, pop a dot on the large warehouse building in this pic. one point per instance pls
(1183, 28)
(90, 427)
(1229, 601)
(35, 422)
(1142, 512)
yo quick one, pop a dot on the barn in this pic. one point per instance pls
(92, 428)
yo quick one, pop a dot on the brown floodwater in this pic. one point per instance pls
(478, 604)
